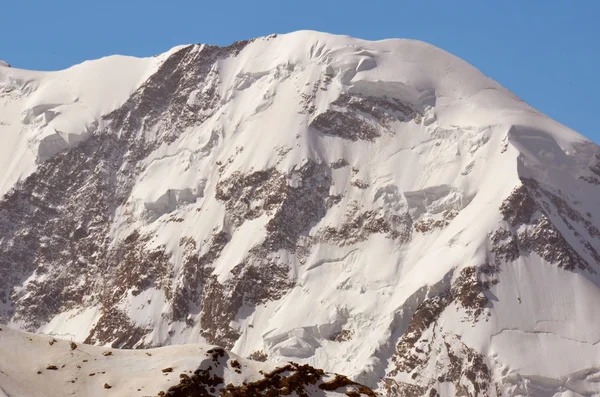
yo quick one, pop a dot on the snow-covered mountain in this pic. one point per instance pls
(377, 209)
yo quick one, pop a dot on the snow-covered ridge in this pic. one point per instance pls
(44, 113)
(377, 209)
(33, 365)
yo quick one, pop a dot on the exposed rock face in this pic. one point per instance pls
(294, 201)
(528, 210)
(56, 224)
(425, 343)
(180, 94)
(358, 226)
(465, 369)
(115, 328)
(357, 117)
(504, 246)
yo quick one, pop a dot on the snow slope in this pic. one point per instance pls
(35, 366)
(377, 209)
(44, 113)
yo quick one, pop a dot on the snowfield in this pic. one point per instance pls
(40, 366)
(380, 210)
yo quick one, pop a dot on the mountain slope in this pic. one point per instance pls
(378, 209)
(34, 365)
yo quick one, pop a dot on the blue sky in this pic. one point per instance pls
(546, 52)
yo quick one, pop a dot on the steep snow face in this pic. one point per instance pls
(378, 209)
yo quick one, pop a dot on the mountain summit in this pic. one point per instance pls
(377, 209)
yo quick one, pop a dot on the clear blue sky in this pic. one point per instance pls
(546, 52)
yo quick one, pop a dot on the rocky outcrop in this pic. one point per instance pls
(425, 344)
(529, 210)
(357, 117)
(359, 225)
(292, 378)
(294, 201)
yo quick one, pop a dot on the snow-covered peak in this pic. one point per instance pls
(419, 66)
(379, 209)
(4, 64)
